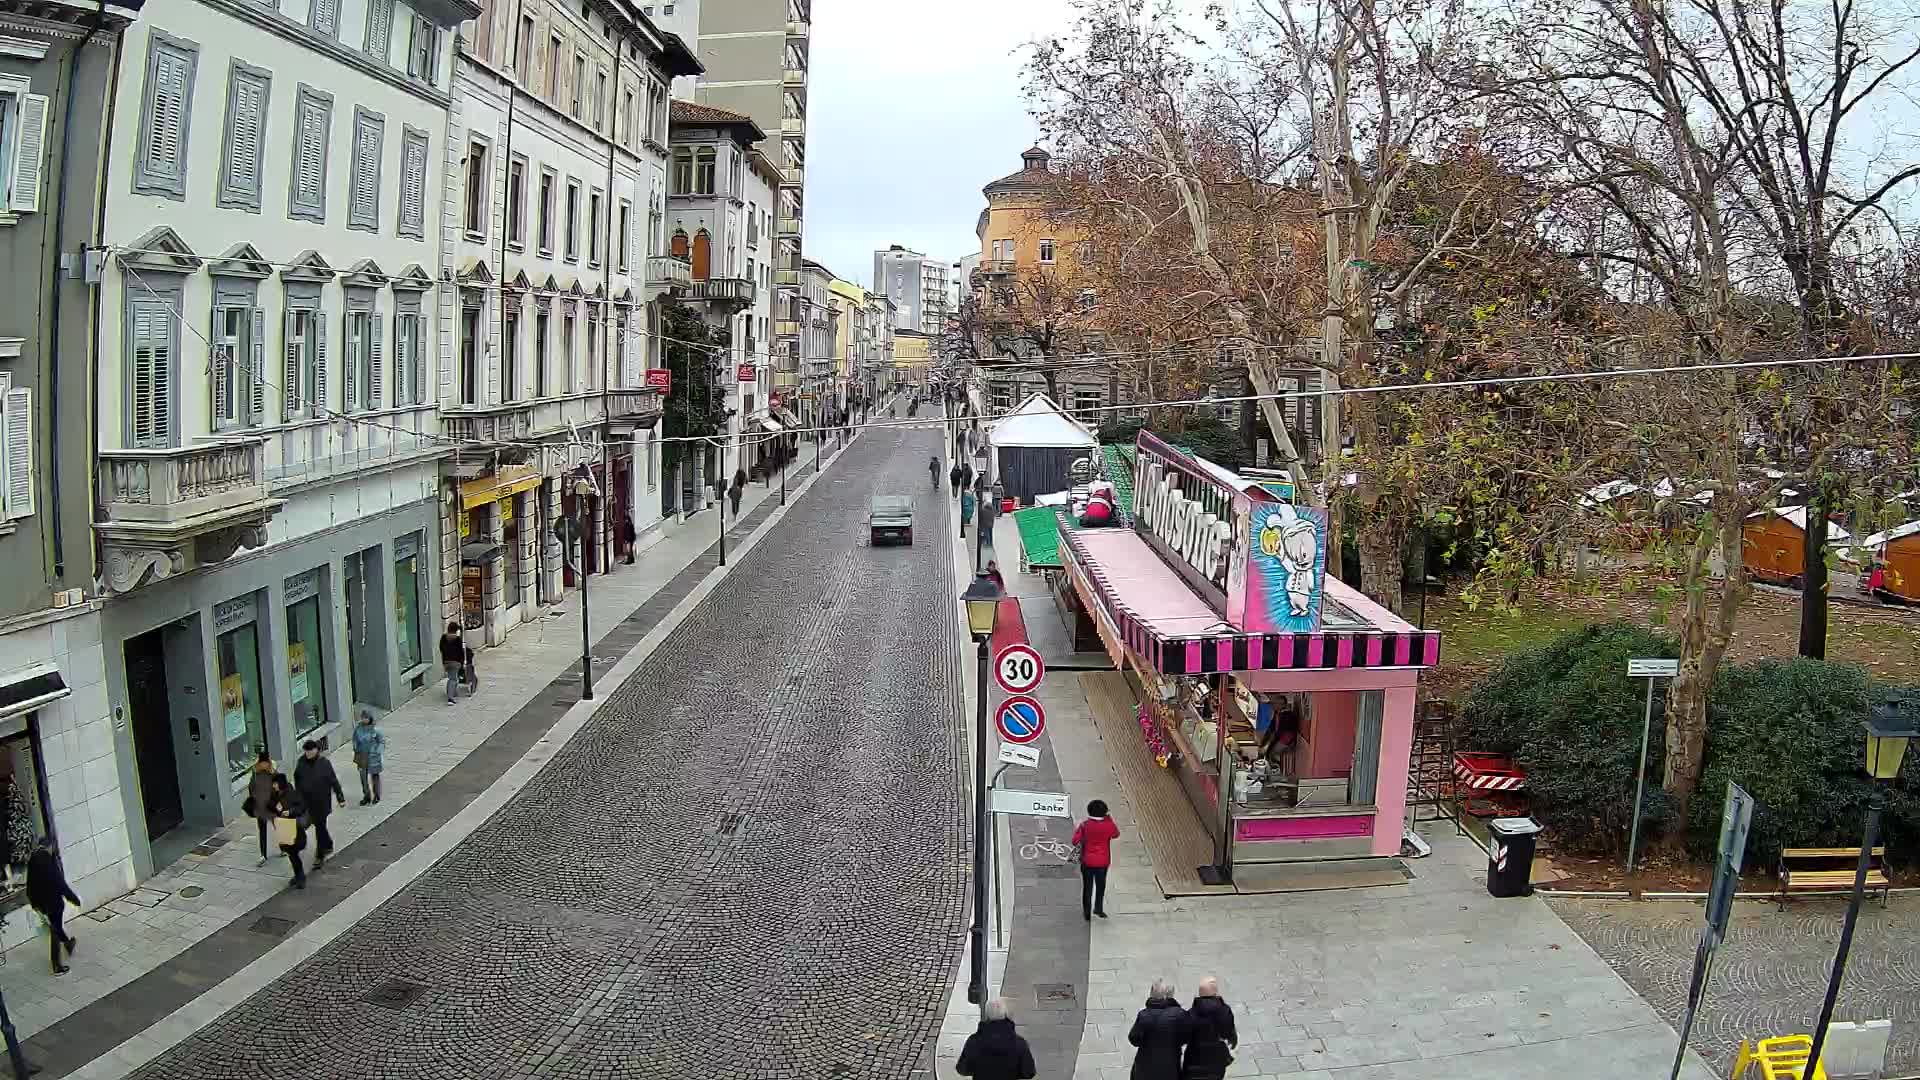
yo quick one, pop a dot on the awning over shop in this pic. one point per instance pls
(1138, 597)
(1039, 536)
(498, 486)
(31, 688)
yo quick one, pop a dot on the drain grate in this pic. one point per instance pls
(394, 994)
(730, 823)
(1052, 992)
(272, 926)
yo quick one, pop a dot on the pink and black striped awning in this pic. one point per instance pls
(1162, 621)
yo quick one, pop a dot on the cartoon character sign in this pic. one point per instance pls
(1287, 561)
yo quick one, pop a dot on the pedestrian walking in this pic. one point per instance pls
(933, 470)
(987, 513)
(453, 659)
(966, 474)
(739, 489)
(628, 536)
(289, 825)
(1093, 839)
(966, 510)
(369, 742)
(993, 571)
(319, 787)
(49, 894)
(953, 477)
(996, 1051)
(259, 804)
(1211, 1037)
(470, 672)
(1158, 1031)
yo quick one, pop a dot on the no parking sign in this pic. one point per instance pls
(1020, 719)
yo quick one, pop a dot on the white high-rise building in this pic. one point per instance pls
(917, 285)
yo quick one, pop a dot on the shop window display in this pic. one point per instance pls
(242, 721)
(24, 822)
(406, 600)
(306, 666)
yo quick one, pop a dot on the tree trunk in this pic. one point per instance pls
(1053, 384)
(1813, 578)
(1706, 627)
(1381, 568)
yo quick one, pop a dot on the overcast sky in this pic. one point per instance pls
(913, 105)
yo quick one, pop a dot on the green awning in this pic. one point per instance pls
(1039, 537)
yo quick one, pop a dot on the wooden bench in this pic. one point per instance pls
(1830, 871)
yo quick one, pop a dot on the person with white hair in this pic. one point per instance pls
(1159, 1032)
(1210, 1034)
(996, 1051)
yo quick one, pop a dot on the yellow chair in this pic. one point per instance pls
(1783, 1057)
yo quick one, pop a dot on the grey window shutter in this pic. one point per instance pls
(413, 184)
(152, 373)
(169, 115)
(19, 451)
(290, 377)
(257, 370)
(308, 197)
(31, 152)
(363, 210)
(380, 28)
(326, 17)
(320, 399)
(221, 346)
(353, 363)
(246, 137)
(376, 366)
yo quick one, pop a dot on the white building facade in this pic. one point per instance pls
(554, 208)
(268, 437)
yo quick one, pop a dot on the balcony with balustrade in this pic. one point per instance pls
(729, 293)
(166, 511)
(668, 274)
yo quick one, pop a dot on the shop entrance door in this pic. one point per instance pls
(153, 733)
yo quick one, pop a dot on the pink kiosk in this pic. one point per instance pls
(1246, 653)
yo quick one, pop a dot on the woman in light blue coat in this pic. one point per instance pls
(368, 743)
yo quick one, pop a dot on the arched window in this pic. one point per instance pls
(679, 245)
(702, 255)
(682, 171)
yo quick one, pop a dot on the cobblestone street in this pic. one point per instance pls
(1769, 976)
(749, 863)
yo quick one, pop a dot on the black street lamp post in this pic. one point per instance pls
(983, 606)
(1889, 725)
(720, 486)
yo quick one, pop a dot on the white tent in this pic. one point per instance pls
(1039, 422)
(1034, 447)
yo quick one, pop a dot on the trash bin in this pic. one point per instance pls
(1510, 861)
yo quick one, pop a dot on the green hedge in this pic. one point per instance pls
(1788, 731)
(1571, 718)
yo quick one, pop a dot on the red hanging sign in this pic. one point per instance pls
(660, 379)
(749, 374)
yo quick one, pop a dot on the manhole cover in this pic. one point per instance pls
(191, 891)
(394, 994)
(1045, 992)
(730, 823)
(272, 926)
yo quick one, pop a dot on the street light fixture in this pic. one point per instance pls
(1890, 724)
(982, 599)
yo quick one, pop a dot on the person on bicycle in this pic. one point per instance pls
(933, 469)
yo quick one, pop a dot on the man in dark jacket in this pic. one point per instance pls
(1159, 1031)
(995, 1052)
(315, 780)
(953, 477)
(49, 893)
(1210, 1034)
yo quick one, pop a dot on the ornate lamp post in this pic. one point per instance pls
(983, 607)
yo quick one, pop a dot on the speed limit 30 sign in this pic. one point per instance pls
(1017, 668)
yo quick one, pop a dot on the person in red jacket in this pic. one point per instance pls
(1093, 838)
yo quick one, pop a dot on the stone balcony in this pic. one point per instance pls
(725, 291)
(166, 511)
(639, 407)
(667, 274)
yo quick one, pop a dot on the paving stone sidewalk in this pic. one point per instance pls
(214, 911)
(1430, 980)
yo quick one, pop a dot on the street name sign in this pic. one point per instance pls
(1020, 719)
(1015, 754)
(1653, 668)
(1018, 669)
(1035, 803)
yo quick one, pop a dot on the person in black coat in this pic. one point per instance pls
(287, 803)
(1210, 1034)
(1159, 1032)
(315, 780)
(49, 893)
(996, 1052)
